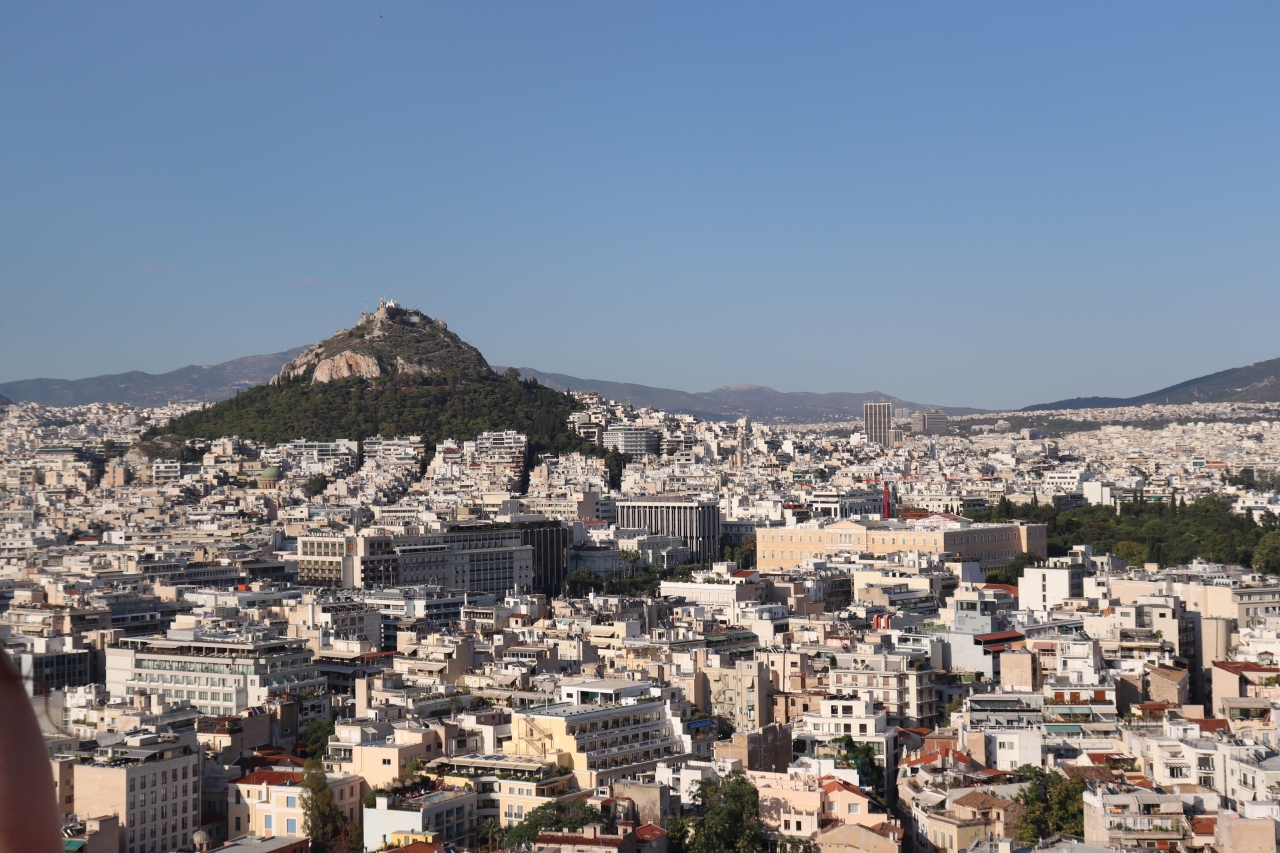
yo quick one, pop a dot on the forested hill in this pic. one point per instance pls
(396, 372)
(458, 406)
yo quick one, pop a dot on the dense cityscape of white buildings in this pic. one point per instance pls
(491, 630)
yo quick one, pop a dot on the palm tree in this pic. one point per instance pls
(491, 831)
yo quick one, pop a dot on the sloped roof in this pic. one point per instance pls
(649, 832)
(981, 800)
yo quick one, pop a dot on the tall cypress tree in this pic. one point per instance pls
(321, 818)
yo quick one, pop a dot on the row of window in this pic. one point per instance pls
(164, 842)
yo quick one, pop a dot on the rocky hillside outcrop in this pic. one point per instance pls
(391, 340)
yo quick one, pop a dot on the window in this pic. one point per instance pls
(291, 802)
(854, 808)
(291, 827)
(237, 824)
(266, 821)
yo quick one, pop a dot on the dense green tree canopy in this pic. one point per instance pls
(731, 817)
(555, 817)
(457, 405)
(1054, 805)
(1168, 533)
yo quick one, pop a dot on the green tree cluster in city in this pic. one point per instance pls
(316, 484)
(730, 821)
(1054, 805)
(1166, 532)
(581, 582)
(553, 817)
(317, 735)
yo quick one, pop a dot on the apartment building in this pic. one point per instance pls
(220, 674)
(1003, 731)
(508, 788)
(1133, 818)
(378, 751)
(907, 693)
(859, 720)
(739, 691)
(598, 743)
(992, 545)
(151, 781)
(632, 440)
(476, 557)
(269, 802)
(1042, 589)
(450, 817)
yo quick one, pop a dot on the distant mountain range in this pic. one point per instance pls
(194, 382)
(751, 401)
(1257, 383)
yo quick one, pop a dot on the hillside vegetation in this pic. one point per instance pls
(458, 406)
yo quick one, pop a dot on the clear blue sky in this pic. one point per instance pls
(985, 204)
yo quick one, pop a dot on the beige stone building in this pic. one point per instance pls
(269, 802)
(598, 743)
(151, 782)
(991, 544)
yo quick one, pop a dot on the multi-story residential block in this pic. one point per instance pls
(151, 781)
(632, 440)
(1133, 818)
(221, 674)
(598, 742)
(448, 817)
(858, 720)
(906, 692)
(1045, 588)
(271, 802)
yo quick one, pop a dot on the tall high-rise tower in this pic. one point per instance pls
(878, 420)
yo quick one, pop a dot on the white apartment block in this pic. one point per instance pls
(220, 674)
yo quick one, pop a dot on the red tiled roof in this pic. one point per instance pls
(832, 783)
(270, 777)
(1007, 587)
(1203, 825)
(1242, 666)
(1209, 725)
(999, 635)
(649, 832)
